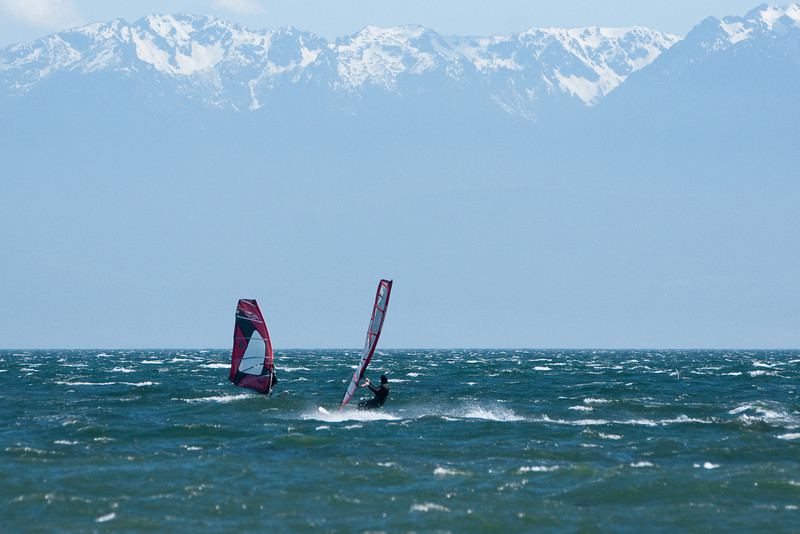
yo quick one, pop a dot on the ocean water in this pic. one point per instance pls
(469, 441)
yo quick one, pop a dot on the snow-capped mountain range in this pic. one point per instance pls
(222, 65)
(228, 66)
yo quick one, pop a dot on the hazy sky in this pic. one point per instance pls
(22, 20)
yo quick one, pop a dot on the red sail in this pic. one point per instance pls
(252, 364)
(373, 334)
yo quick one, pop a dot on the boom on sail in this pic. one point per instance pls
(373, 334)
(252, 362)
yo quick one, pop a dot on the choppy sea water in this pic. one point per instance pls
(469, 441)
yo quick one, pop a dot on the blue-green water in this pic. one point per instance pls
(469, 441)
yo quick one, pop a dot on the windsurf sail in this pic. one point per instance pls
(373, 334)
(252, 363)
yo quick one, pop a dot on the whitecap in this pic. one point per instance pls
(537, 469)
(122, 370)
(65, 442)
(763, 364)
(152, 362)
(590, 400)
(706, 465)
(681, 419)
(581, 408)
(642, 464)
(580, 422)
(587, 422)
(219, 398)
(542, 368)
(444, 471)
(215, 365)
(496, 414)
(609, 436)
(763, 413)
(789, 436)
(429, 507)
(350, 414)
(105, 518)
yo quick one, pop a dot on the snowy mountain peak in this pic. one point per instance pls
(764, 19)
(772, 15)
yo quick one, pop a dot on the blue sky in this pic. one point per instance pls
(23, 20)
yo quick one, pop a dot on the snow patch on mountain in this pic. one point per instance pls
(760, 21)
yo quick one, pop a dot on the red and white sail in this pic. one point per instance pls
(373, 334)
(252, 363)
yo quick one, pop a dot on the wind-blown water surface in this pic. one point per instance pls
(469, 441)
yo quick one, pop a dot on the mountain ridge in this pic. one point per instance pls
(229, 66)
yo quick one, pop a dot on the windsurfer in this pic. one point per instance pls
(380, 394)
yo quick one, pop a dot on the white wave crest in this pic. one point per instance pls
(223, 399)
(537, 469)
(494, 414)
(789, 436)
(429, 507)
(444, 472)
(78, 383)
(762, 373)
(763, 412)
(706, 465)
(215, 365)
(348, 414)
(590, 400)
(681, 419)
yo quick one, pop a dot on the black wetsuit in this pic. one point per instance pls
(376, 402)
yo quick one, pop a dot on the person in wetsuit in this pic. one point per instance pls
(380, 394)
